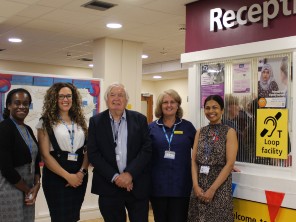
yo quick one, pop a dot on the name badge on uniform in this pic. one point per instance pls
(178, 132)
(204, 170)
(169, 154)
(72, 156)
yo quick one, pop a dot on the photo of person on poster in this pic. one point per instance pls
(272, 84)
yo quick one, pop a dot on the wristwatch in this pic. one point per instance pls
(84, 171)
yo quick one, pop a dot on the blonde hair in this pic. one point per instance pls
(172, 93)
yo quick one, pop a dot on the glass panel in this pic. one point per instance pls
(241, 102)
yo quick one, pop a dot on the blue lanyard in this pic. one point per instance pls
(71, 133)
(171, 137)
(23, 136)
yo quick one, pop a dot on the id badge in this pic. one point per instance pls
(204, 170)
(169, 154)
(72, 156)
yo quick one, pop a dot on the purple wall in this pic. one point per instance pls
(199, 37)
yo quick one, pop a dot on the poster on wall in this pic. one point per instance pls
(37, 86)
(273, 82)
(212, 81)
(241, 78)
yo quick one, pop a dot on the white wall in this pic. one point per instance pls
(156, 87)
(44, 69)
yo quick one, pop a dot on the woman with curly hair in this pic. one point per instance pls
(62, 132)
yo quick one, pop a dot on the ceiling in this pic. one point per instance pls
(61, 32)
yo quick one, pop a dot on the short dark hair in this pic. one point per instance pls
(6, 112)
(216, 98)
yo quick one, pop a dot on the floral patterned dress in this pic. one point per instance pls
(212, 152)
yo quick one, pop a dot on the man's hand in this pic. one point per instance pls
(124, 180)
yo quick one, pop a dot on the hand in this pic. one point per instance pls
(236, 169)
(73, 180)
(31, 196)
(124, 180)
(80, 175)
(208, 195)
(130, 187)
(198, 192)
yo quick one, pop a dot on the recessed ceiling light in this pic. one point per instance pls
(91, 65)
(15, 40)
(157, 77)
(114, 25)
(145, 56)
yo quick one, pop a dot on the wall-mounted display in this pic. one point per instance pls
(37, 86)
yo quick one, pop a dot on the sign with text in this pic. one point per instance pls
(272, 133)
(251, 211)
(214, 24)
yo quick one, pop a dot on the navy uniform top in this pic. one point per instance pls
(171, 177)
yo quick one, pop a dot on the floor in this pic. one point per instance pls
(101, 219)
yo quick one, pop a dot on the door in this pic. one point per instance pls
(147, 106)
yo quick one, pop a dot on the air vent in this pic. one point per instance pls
(98, 5)
(85, 59)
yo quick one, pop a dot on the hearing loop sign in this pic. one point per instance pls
(272, 133)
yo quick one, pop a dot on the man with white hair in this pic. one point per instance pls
(119, 148)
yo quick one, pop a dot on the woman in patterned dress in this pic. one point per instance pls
(214, 153)
(19, 161)
(62, 132)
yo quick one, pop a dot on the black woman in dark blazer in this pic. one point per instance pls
(19, 160)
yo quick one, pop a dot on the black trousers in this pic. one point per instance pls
(113, 209)
(170, 209)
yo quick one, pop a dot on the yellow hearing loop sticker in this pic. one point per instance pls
(272, 133)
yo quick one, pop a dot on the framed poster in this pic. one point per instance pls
(273, 82)
(212, 81)
(241, 78)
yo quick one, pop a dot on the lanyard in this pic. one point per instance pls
(171, 137)
(71, 133)
(29, 141)
(115, 127)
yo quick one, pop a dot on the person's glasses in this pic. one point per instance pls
(62, 97)
(169, 102)
(18, 103)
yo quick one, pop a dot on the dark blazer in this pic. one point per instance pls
(101, 154)
(14, 151)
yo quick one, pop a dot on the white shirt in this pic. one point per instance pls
(63, 137)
